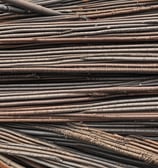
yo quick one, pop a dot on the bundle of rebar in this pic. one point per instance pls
(78, 84)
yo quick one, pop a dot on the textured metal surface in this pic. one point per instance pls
(78, 84)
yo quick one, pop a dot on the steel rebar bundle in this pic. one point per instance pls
(78, 84)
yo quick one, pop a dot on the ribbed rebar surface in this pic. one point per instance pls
(78, 84)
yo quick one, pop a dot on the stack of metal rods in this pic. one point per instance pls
(83, 101)
(78, 84)
(53, 141)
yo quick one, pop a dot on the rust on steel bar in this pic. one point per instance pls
(79, 40)
(80, 70)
